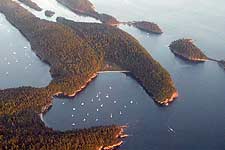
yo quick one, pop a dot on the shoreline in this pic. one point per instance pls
(169, 100)
(118, 136)
(41, 117)
(61, 94)
(64, 95)
(187, 50)
(196, 60)
(47, 106)
(112, 146)
(122, 71)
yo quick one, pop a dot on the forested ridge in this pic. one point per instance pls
(186, 49)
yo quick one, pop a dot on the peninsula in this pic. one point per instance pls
(120, 48)
(31, 4)
(186, 49)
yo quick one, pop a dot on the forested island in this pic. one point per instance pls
(86, 8)
(186, 49)
(75, 53)
(49, 13)
(148, 27)
(31, 4)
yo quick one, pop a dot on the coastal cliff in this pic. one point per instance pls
(186, 49)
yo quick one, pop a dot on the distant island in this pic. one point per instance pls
(49, 13)
(148, 27)
(31, 4)
(186, 49)
(86, 8)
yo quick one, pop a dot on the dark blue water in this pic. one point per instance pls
(196, 120)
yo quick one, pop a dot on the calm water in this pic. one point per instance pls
(19, 66)
(197, 119)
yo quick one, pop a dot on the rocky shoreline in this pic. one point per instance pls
(66, 95)
(118, 144)
(169, 100)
